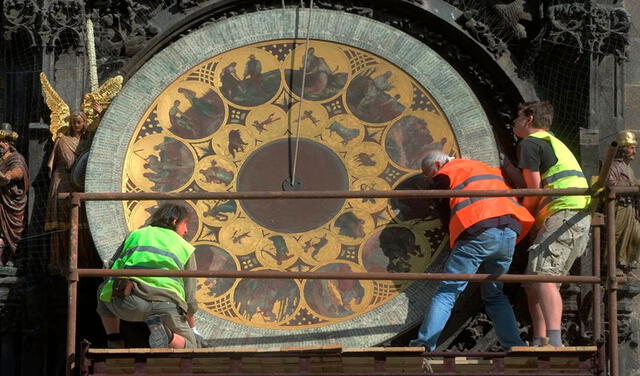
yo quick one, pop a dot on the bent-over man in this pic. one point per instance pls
(562, 223)
(165, 304)
(482, 231)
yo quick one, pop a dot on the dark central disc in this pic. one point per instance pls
(291, 185)
(268, 169)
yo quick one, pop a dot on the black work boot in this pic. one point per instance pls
(115, 341)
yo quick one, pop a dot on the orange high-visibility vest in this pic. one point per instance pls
(466, 174)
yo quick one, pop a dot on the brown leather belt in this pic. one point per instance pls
(122, 287)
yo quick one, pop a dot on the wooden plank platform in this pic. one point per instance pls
(333, 359)
(552, 349)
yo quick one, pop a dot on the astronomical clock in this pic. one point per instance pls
(252, 104)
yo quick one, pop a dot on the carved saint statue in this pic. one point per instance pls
(627, 207)
(14, 183)
(72, 134)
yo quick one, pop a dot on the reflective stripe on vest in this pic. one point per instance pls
(472, 200)
(152, 248)
(476, 178)
(566, 173)
(148, 267)
(559, 175)
(465, 174)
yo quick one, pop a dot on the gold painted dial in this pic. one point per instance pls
(230, 123)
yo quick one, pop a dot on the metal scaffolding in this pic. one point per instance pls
(610, 282)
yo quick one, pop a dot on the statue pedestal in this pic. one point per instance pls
(629, 327)
(10, 306)
(8, 283)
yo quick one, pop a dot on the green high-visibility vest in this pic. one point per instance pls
(152, 248)
(566, 173)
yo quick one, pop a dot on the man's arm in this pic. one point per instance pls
(442, 204)
(190, 290)
(511, 173)
(532, 179)
(116, 255)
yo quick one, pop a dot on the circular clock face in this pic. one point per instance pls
(243, 120)
(280, 114)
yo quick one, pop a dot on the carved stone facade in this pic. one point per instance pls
(120, 32)
(483, 33)
(506, 29)
(630, 304)
(23, 16)
(45, 21)
(632, 75)
(590, 27)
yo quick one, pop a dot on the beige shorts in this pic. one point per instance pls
(561, 240)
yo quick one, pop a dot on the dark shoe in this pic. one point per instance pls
(158, 334)
(115, 344)
(115, 341)
(417, 343)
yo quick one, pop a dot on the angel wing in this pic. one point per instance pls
(102, 97)
(59, 110)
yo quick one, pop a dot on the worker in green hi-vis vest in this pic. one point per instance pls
(166, 304)
(561, 230)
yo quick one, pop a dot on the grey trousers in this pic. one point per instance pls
(134, 308)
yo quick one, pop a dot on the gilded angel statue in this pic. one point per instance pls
(72, 134)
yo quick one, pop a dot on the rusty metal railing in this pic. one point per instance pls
(596, 280)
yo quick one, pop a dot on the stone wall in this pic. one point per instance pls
(632, 75)
(629, 364)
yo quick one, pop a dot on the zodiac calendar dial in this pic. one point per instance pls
(242, 121)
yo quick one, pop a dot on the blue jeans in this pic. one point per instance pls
(493, 247)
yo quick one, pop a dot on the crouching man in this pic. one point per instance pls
(165, 304)
(482, 231)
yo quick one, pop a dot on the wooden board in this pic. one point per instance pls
(565, 349)
(331, 358)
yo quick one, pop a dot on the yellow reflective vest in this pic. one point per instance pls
(566, 173)
(152, 248)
